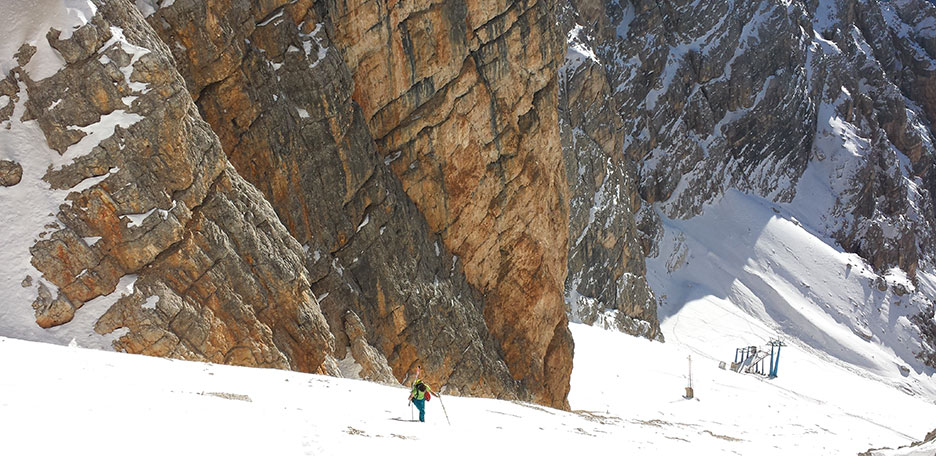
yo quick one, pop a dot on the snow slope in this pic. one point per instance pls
(813, 407)
(626, 390)
(29, 23)
(748, 252)
(749, 270)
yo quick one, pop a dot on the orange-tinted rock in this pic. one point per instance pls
(280, 99)
(207, 270)
(10, 173)
(465, 96)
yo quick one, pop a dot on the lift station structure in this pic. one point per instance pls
(751, 359)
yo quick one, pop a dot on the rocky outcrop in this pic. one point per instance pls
(926, 322)
(910, 450)
(373, 365)
(10, 173)
(606, 285)
(183, 257)
(461, 100)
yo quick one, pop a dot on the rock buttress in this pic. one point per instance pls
(461, 98)
(279, 94)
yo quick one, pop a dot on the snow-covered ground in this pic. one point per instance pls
(748, 271)
(627, 393)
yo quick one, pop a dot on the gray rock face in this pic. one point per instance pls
(606, 284)
(712, 96)
(187, 258)
(707, 103)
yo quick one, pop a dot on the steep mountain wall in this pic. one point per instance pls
(128, 207)
(461, 103)
(461, 100)
(410, 152)
(607, 282)
(271, 83)
(831, 97)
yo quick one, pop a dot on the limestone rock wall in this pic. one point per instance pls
(380, 184)
(461, 98)
(187, 258)
(275, 81)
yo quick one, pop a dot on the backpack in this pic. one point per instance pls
(422, 388)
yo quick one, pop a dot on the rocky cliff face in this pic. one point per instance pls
(706, 97)
(152, 226)
(343, 134)
(461, 101)
(606, 283)
(272, 84)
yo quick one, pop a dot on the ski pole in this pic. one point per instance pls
(439, 395)
(411, 411)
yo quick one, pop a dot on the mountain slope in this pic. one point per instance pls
(753, 254)
(290, 413)
(230, 183)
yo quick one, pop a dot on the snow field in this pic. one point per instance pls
(813, 407)
(56, 400)
(28, 22)
(626, 392)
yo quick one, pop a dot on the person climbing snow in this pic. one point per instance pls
(420, 393)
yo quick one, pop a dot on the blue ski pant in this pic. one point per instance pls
(421, 405)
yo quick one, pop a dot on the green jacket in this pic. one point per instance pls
(417, 394)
